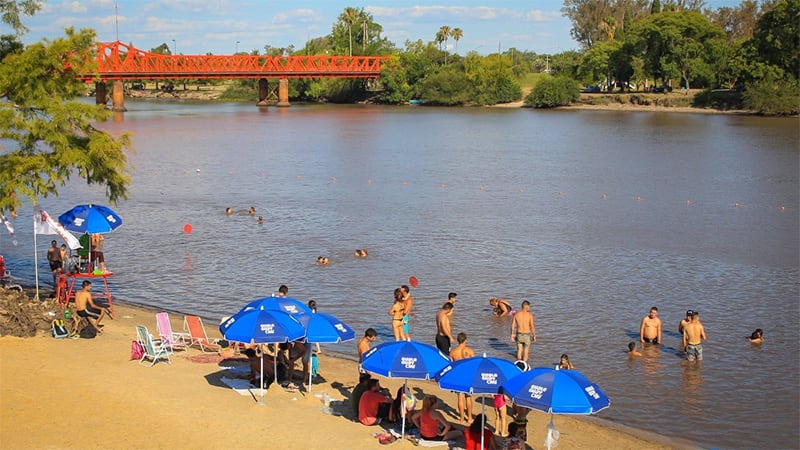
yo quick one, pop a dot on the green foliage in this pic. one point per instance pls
(718, 99)
(492, 79)
(448, 86)
(242, 90)
(553, 91)
(776, 39)
(52, 135)
(9, 44)
(11, 10)
(772, 96)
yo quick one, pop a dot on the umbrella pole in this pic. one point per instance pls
(35, 259)
(483, 417)
(403, 410)
(262, 379)
(550, 429)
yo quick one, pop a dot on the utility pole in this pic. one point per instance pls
(174, 47)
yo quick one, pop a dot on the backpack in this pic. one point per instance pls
(137, 350)
(59, 330)
(88, 332)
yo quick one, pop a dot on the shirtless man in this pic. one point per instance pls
(97, 251)
(87, 308)
(462, 351)
(56, 263)
(650, 331)
(283, 291)
(523, 331)
(693, 336)
(398, 312)
(443, 334)
(408, 302)
(363, 344)
(500, 306)
(452, 297)
(683, 323)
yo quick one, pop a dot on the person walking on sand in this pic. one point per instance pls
(523, 331)
(443, 334)
(408, 302)
(397, 312)
(86, 307)
(55, 261)
(363, 344)
(650, 331)
(462, 351)
(693, 336)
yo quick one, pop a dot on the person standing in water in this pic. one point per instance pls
(523, 331)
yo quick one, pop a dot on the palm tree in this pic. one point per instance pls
(350, 16)
(445, 30)
(457, 35)
(439, 39)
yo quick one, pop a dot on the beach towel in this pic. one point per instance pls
(241, 386)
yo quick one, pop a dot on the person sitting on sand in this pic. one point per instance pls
(757, 337)
(565, 362)
(513, 442)
(358, 391)
(374, 406)
(501, 307)
(472, 435)
(632, 349)
(87, 308)
(431, 423)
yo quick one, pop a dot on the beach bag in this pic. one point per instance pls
(59, 330)
(88, 332)
(137, 350)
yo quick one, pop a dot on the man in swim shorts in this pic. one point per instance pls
(650, 331)
(693, 336)
(408, 302)
(55, 261)
(87, 308)
(443, 334)
(523, 331)
(463, 351)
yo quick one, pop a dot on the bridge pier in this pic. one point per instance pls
(100, 93)
(283, 92)
(263, 92)
(118, 97)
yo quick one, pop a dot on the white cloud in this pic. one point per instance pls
(436, 12)
(301, 15)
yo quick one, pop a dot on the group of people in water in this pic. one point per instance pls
(359, 253)
(251, 211)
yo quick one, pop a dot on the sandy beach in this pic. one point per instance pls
(87, 393)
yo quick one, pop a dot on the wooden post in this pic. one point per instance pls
(263, 92)
(118, 97)
(100, 94)
(283, 92)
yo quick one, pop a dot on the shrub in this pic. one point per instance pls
(773, 97)
(550, 92)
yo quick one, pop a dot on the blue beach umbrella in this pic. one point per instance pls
(324, 328)
(404, 359)
(285, 304)
(91, 219)
(477, 375)
(556, 391)
(262, 326)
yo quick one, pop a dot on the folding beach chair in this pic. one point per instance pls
(154, 350)
(171, 339)
(198, 334)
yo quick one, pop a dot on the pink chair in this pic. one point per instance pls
(172, 340)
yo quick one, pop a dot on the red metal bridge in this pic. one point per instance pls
(117, 62)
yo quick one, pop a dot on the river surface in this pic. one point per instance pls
(593, 216)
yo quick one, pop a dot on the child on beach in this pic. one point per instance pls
(513, 442)
(632, 349)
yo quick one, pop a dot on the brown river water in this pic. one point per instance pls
(593, 216)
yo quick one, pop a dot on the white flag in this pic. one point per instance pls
(44, 224)
(8, 225)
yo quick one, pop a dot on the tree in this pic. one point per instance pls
(11, 10)
(48, 135)
(588, 17)
(449, 86)
(776, 39)
(8, 45)
(738, 22)
(445, 31)
(350, 16)
(457, 35)
(550, 92)
(677, 44)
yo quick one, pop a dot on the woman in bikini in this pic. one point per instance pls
(500, 306)
(397, 312)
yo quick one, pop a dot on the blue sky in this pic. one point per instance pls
(201, 26)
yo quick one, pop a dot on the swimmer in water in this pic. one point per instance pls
(632, 349)
(757, 337)
(260, 219)
(501, 307)
(322, 260)
(251, 211)
(229, 211)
